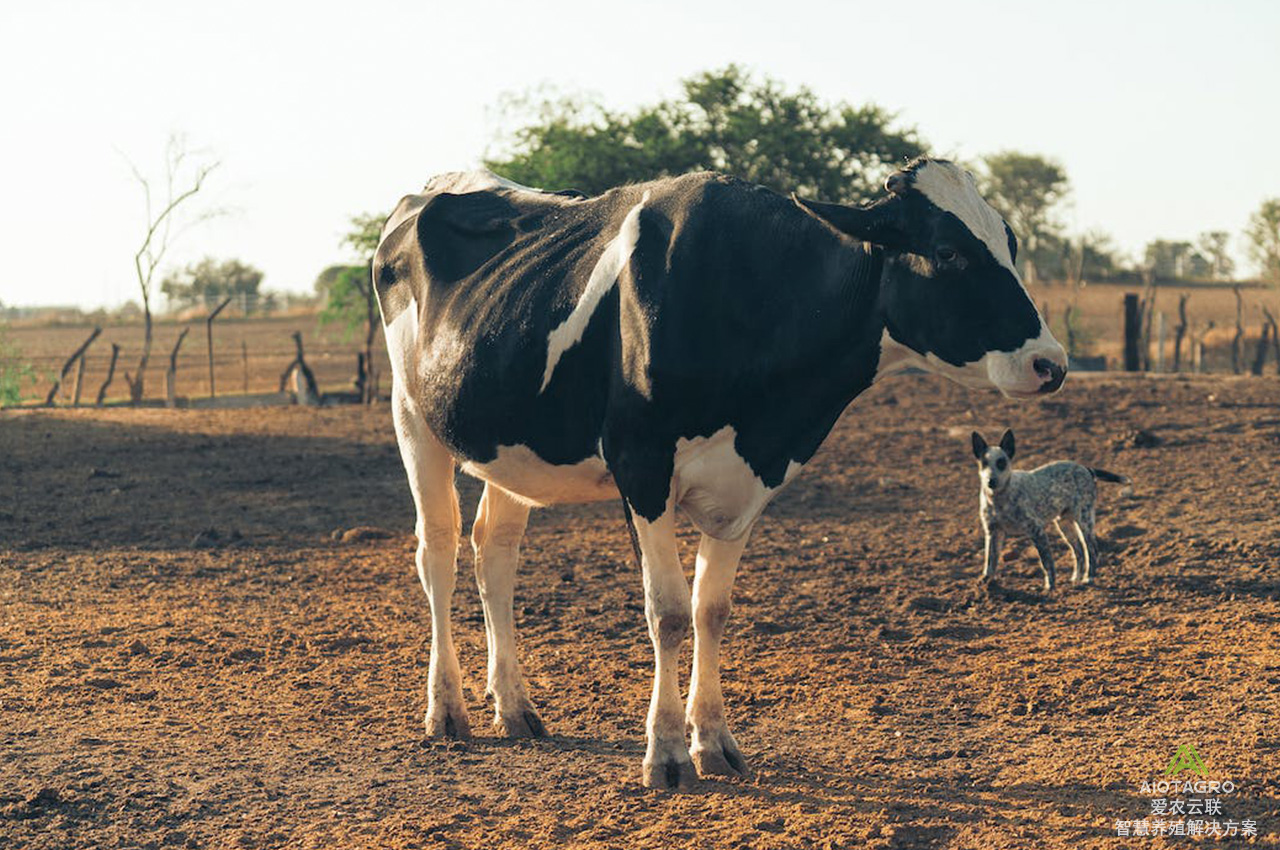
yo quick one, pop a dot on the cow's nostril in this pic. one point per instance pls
(1051, 374)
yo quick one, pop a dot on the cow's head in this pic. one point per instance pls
(951, 297)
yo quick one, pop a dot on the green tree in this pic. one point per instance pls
(1263, 236)
(1213, 246)
(1176, 260)
(349, 297)
(1026, 189)
(209, 281)
(725, 120)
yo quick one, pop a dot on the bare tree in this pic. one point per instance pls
(183, 180)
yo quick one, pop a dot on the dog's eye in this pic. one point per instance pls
(1001, 464)
(947, 255)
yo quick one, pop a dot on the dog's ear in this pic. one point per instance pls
(1007, 445)
(979, 445)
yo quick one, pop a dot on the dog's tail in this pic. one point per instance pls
(1103, 475)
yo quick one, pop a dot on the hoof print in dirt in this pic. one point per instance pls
(360, 534)
(212, 538)
(1139, 438)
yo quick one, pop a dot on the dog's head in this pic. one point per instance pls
(995, 463)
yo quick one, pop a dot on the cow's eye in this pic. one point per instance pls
(947, 255)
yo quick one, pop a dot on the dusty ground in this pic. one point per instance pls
(263, 686)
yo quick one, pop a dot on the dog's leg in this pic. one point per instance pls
(1078, 555)
(1085, 528)
(1041, 541)
(992, 551)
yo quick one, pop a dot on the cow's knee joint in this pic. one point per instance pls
(711, 619)
(670, 628)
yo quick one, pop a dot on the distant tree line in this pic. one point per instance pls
(208, 281)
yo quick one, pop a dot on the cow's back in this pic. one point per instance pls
(472, 285)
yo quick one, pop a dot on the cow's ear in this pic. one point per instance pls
(1007, 445)
(979, 445)
(877, 224)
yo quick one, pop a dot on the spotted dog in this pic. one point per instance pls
(1023, 503)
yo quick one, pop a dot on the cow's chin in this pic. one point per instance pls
(1010, 373)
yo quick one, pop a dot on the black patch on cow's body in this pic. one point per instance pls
(736, 308)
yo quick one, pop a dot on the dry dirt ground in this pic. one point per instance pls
(187, 659)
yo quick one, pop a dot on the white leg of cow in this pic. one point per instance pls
(666, 608)
(430, 468)
(714, 750)
(495, 536)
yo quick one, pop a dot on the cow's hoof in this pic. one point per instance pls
(725, 761)
(523, 724)
(448, 724)
(670, 775)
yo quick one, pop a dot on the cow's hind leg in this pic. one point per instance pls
(430, 468)
(495, 536)
(714, 750)
(666, 608)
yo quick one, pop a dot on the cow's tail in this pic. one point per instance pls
(1111, 477)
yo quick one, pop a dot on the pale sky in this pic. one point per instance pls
(1164, 113)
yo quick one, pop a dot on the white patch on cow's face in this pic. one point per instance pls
(402, 337)
(519, 471)
(717, 488)
(603, 277)
(1013, 373)
(951, 188)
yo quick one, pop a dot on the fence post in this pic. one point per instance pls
(1160, 341)
(75, 391)
(208, 327)
(66, 367)
(171, 375)
(1132, 332)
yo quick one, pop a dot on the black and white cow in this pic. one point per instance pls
(683, 343)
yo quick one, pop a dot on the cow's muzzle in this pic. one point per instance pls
(1051, 375)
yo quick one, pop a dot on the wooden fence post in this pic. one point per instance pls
(171, 375)
(1180, 331)
(1237, 341)
(1132, 332)
(1160, 341)
(75, 388)
(1260, 354)
(208, 326)
(111, 373)
(66, 367)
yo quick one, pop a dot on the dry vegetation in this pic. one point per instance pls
(267, 342)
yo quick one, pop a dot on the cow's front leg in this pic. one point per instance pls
(495, 537)
(714, 750)
(430, 468)
(666, 608)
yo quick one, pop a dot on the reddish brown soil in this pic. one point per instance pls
(187, 659)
